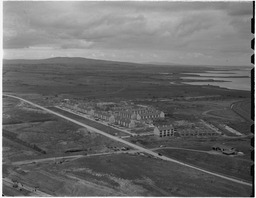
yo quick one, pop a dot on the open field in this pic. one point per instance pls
(204, 144)
(227, 165)
(124, 175)
(15, 113)
(102, 80)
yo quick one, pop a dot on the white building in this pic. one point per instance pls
(164, 130)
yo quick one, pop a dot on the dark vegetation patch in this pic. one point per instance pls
(32, 121)
(76, 150)
(13, 137)
(100, 179)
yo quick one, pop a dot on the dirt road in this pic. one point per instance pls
(10, 183)
(148, 151)
(177, 148)
(71, 157)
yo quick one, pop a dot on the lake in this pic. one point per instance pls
(240, 83)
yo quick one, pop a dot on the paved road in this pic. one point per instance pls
(46, 160)
(9, 182)
(148, 151)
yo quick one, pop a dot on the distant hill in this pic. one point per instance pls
(71, 61)
(57, 60)
(88, 61)
(82, 61)
(163, 63)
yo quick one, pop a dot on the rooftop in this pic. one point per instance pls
(164, 127)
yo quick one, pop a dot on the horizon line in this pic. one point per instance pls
(141, 63)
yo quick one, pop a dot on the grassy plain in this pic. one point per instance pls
(106, 80)
(126, 175)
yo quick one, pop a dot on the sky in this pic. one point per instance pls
(193, 33)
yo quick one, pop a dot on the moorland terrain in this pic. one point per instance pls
(48, 154)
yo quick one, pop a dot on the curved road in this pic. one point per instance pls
(207, 113)
(148, 151)
(237, 108)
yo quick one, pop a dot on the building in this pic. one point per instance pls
(102, 115)
(141, 114)
(125, 122)
(112, 119)
(224, 149)
(139, 110)
(150, 115)
(197, 133)
(164, 130)
(105, 105)
(126, 114)
(91, 112)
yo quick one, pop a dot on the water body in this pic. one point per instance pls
(242, 80)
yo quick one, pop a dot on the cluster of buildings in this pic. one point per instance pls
(132, 116)
(125, 116)
(129, 118)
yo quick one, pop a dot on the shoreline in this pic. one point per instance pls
(213, 86)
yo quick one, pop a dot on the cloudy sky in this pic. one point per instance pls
(212, 33)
